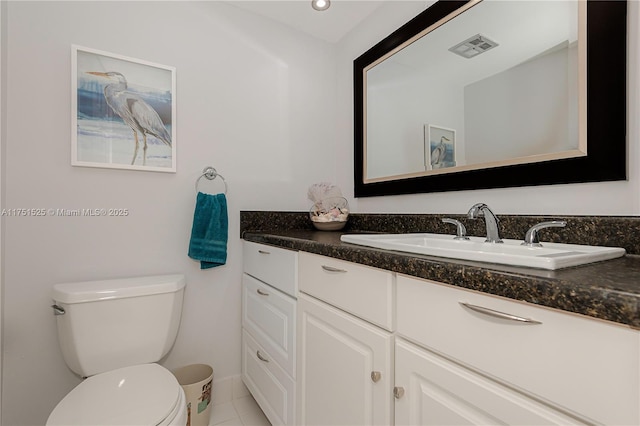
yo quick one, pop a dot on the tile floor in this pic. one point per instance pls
(233, 405)
(242, 411)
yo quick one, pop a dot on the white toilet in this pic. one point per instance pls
(113, 332)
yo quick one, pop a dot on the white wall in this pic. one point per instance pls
(542, 123)
(404, 108)
(615, 198)
(247, 90)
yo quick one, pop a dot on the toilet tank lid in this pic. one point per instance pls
(92, 291)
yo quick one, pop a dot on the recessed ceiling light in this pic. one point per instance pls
(320, 4)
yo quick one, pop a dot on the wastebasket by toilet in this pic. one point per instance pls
(196, 381)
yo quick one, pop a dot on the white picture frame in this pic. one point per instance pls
(123, 112)
(439, 147)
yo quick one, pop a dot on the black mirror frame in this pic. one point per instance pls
(606, 158)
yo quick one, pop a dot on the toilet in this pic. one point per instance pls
(113, 332)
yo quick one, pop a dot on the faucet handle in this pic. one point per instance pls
(531, 237)
(461, 231)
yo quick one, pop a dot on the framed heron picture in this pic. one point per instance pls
(439, 147)
(123, 112)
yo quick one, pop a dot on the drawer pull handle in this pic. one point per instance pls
(376, 376)
(498, 314)
(261, 357)
(262, 293)
(398, 392)
(263, 252)
(332, 269)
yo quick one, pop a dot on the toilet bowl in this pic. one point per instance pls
(146, 394)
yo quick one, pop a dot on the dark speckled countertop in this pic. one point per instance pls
(608, 290)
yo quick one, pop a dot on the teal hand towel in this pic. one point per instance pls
(210, 230)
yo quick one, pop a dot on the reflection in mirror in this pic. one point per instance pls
(502, 77)
(481, 94)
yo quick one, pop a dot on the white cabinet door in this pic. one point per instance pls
(436, 391)
(345, 372)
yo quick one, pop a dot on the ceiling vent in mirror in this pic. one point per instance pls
(473, 46)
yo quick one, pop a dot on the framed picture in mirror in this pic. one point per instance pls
(440, 147)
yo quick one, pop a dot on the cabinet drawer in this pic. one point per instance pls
(365, 292)
(270, 317)
(588, 366)
(271, 387)
(275, 266)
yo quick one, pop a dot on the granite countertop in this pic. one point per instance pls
(608, 290)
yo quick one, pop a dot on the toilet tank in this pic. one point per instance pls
(116, 323)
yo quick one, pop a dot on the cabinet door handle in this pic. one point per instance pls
(332, 269)
(376, 376)
(398, 392)
(58, 310)
(261, 357)
(262, 293)
(498, 314)
(263, 252)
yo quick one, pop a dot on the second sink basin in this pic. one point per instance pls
(550, 256)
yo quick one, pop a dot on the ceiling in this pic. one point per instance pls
(329, 25)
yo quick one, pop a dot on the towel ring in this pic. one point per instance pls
(211, 173)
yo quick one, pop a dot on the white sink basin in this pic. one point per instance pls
(550, 256)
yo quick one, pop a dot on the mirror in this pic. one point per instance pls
(485, 94)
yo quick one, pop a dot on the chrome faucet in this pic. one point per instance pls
(490, 220)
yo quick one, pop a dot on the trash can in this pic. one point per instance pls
(196, 381)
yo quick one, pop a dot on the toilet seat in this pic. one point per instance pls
(145, 394)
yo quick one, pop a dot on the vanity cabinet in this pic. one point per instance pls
(345, 368)
(269, 288)
(376, 347)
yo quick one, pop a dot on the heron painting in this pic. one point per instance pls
(123, 112)
(439, 147)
